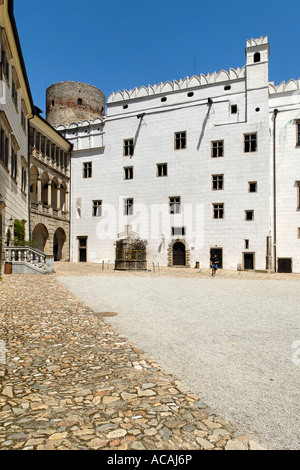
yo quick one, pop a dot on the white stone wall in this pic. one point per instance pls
(190, 170)
(287, 174)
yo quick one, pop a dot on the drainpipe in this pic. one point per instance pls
(274, 191)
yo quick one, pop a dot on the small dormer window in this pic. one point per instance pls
(256, 57)
(79, 102)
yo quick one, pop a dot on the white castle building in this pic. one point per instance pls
(205, 164)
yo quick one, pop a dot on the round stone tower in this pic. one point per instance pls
(68, 102)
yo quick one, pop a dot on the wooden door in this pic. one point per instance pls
(178, 254)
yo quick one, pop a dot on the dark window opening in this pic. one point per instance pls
(256, 57)
(180, 140)
(178, 231)
(250, 143)
(128, 206)
(217, 182)
(125, 106)
(252, 186)
(249, 215)
(227, 87)
(163, 99)
(128, 147)
(218, 211)
(79, 102)
(217, 149)
(234, 109)
(97, 208)
(162, 169)
(87, 170)
(190, 94)
(128, 172)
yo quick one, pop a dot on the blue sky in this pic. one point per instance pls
(118, 44)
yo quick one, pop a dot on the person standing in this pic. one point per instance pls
(214, 264)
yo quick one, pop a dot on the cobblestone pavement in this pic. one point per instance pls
(68, 380)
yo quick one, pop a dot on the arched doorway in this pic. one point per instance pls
(178, 254)
(58, 244)
(40, 235)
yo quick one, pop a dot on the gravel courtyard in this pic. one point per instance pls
(231, 341)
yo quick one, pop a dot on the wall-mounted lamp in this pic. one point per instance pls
(209, 102)
(140, 116)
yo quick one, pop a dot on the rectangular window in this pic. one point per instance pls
(249, 215)
(178, 231)
(252, 187)
(250, 142)
(87, 170)
(128, 147)
(217, 182)
(5, 64)
(4, 151)
(246, 244)
(128, 172)
(233, 109)
(217, 148)
(162, 169)
(218, 210)
(24, 179)
(97, 208)
(298, 133)
(128, 206)
(13, 164)
(298, 196)
(174, 204)
(180, 140)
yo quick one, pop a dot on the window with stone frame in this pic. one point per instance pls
(5, 131)
(24, 175)
(178, 231)
(218, 210)
(217, 182)
(15, 85)
(87, 170)
(128, 207)
(252, 186)
(162, 169)
(174, 205)
(217, 148)
(128, 172)
(250, 142)
(5, 56)
(23, 116)
(128, 147)
(249, 215)
(180, 140)
(97, 208)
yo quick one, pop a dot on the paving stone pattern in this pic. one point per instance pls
(70, 381)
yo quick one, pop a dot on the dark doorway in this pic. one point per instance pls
(219, 253)
(82, 244)
(284, 265)
(178, 254)
(248, 260)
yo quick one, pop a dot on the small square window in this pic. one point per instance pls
(249, 215)
(128, 206)
(162, 169)
(217, 182)
(218, 210)
(97, 208)
(217, 148)
(252, 187)
(128, 147)
(174, 205)
(87, 170)
(128, 172)
(250, 143)
(180, 140)
(179, 231)
(234, 109)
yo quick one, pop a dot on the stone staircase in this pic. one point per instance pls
(27, 260)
